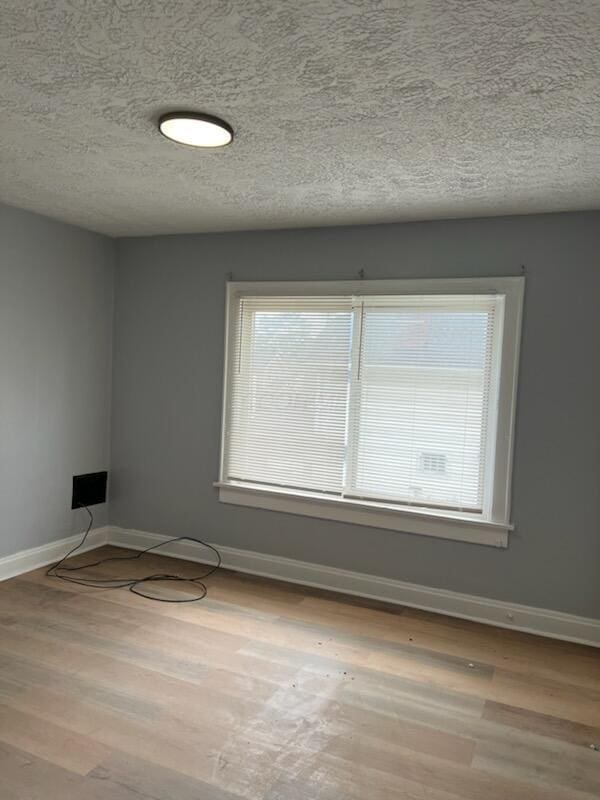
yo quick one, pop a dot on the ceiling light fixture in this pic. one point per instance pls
(197, 130)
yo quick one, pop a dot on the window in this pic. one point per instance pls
(387, 403)
(433, 462)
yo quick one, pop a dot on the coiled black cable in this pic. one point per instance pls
(134, 585)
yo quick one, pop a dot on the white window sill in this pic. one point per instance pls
(445, 525)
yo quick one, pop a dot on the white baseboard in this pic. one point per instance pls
(36, 557)
(528, 619)
(540, 621)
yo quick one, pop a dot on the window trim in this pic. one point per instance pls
(492, 529)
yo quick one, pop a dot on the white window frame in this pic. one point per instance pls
(493, 527)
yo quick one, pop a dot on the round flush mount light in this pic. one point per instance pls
(197, 130)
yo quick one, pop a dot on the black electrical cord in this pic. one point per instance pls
(133, 584)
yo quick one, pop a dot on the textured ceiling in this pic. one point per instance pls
(344, 111)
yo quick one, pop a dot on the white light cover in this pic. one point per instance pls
(195, 131)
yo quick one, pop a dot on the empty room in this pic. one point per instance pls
(300, 400)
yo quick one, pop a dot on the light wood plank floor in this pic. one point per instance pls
(270, 691)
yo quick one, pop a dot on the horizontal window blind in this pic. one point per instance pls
(383, 398)
(421, 401)
(290, 370)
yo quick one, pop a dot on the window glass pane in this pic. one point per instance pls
(290, 395)
(421, 404)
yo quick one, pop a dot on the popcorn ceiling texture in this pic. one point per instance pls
(344, 112)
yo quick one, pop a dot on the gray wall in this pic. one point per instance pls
(170, 294)
(56, 286)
